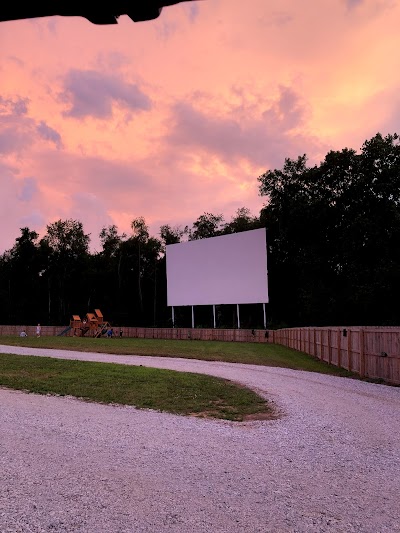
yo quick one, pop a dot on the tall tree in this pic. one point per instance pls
(140, 235)
(207, 225)
(243, 220)
(22, 272)
(112, 250)
(172, 235)
(110, 240)
(332, 230)
(67, 247)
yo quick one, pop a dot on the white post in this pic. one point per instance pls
(192, 317)
(214, 315)
(238, 319)
(265, 318)
(173, 317)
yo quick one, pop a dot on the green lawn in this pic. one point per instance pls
(232, 352)
(181, 393)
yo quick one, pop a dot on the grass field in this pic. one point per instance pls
(164, 390)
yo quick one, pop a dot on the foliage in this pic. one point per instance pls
(173, 235)
(333, 233)
(207, 225)
(333, 257)
(242, 221)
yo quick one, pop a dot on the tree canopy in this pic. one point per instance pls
(333, 233)
(332, 238)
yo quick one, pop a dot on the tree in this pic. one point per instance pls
(67, 238)
(207, 225)
(21, 267)
(140, 256)
(140, 234)
(67, 249)
(332, 232)
(172, 235)
(108, 273)
(243, 220)
(111, 241)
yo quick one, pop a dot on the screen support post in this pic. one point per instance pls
(238, 318)
(192, 317)
(265, 318)
(173, 317)
(214, 315)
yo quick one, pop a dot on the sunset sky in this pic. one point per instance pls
(171, 118)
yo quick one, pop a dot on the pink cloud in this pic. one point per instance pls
(28, 189)
(49, 134)
(18, 131)
(92, 93)
(265, 139)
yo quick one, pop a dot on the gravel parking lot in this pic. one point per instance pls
(329, 463)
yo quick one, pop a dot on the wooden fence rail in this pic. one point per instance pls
(372, 352)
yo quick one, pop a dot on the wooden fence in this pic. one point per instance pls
(229, 335)
(47, 331)
(372, 352)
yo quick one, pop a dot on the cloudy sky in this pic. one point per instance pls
(171, 118)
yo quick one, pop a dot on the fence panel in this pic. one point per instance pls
(372, 352)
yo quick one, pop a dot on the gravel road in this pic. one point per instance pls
(330, 463)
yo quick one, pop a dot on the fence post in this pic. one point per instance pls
(339, 348)
(329, 347)
(315, 343)
(349, 349)
(362, 353)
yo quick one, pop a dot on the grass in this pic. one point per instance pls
(231, 352)
(163, 390)
(182, 393)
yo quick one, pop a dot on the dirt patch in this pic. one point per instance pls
(269, 414)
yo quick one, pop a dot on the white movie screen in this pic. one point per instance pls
(228, 269)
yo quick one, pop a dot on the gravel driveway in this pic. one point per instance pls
(331, 463)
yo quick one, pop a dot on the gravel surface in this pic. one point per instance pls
(330, 463)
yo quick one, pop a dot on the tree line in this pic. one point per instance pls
(333, 236)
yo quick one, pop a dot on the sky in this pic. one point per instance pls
(175, 117)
